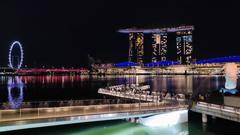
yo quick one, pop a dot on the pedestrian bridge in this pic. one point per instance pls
(35, 117)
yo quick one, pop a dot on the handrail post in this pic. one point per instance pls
(109, 105)
(130, 107)
(97, 110)
(38, 112)
(54, 108)
(70, 107)
(20, 113)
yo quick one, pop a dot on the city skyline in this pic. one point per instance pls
(126, 67)
(64, 33)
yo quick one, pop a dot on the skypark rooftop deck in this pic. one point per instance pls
(157, 30)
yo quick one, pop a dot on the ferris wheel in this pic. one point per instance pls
(10, 57)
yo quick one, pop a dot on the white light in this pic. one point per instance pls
(167, 119)
(10, 54)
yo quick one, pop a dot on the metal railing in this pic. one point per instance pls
(221, 108)
(85, 110)
(62, 103)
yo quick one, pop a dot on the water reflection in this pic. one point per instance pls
(15, 92)
(85, 87)
(177, 84)
(45, 80)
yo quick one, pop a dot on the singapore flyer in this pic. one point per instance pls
(10, 57)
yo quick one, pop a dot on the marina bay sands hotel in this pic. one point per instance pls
(184, 43)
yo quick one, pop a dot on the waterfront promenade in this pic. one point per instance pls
(24, 118)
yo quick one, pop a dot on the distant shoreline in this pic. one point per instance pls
(89, 74)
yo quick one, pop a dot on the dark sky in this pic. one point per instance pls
(59, 33)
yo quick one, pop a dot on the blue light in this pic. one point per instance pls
(126, 64)
(232, 91)
(161, 63)
(219, 60)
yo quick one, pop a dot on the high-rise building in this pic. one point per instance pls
(184, 44)
(159, 47)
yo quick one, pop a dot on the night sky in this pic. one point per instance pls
(62, 33)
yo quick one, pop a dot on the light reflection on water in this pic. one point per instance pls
(35, 88)
(15, 92)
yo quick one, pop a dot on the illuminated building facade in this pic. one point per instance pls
(131, 47)
(155, 46)
(136, 48)
(163, 48)
(184, 43)
(159, 47)
(139, 47)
